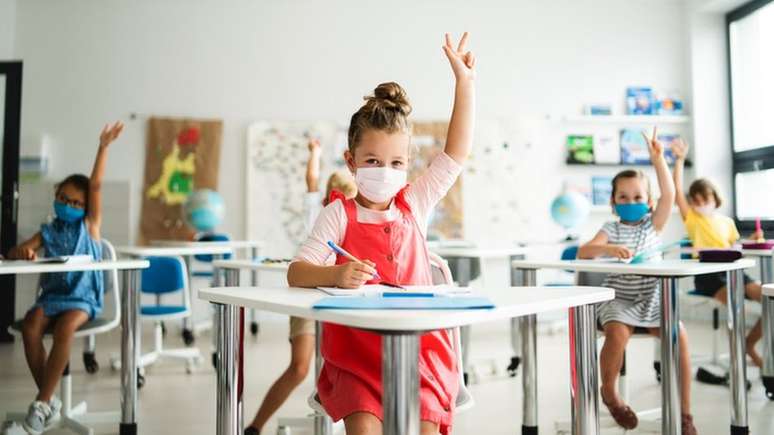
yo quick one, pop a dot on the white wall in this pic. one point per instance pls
(7, 28)
(88, 62)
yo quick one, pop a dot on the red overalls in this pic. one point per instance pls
(351, 377)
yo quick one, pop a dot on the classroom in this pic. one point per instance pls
(255, 217)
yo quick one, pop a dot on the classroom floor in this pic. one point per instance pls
(175, 402)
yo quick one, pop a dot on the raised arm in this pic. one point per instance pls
(459, 139)
(680, 150)
(106, 137)
(665, 184)
(313, 166)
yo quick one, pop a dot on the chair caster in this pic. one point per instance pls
(657, 369)
(163, 329)
(214, 360)
(140, 380)
(90, 362)
(254, 328)
(768, 384)
(188, 337)
(513, 367)
(466, 378)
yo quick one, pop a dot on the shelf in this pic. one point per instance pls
(628, 119)
(688, 164)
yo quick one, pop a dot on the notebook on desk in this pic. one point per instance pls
(72, 259)
(403, 303)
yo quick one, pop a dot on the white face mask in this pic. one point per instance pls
(706, 209)
(379, 184)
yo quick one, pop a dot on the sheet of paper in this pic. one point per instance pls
(378, 289)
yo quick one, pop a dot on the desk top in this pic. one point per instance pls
(29, 267)
(664, 268)
(156, 251)
(482, 253)
(768, 290)
(251, 265)
(233, 244)
(510, 302)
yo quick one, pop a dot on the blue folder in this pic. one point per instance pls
(403, 303)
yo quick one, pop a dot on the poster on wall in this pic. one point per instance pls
(278, 151)
(181, 156)
(429, 139)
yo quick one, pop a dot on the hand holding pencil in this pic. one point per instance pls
(354, 274)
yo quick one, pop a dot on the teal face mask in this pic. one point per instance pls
(632, 212)
(68, 213)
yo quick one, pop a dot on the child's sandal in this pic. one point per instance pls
(623, 415)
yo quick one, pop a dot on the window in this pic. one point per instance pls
(750, 32)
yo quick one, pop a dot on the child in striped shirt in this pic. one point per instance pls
(636, 303)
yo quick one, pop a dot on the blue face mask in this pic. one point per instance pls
(632, 212)
(67, 213)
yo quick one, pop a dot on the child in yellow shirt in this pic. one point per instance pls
(708, 229)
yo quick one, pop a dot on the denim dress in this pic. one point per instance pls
(65, 291)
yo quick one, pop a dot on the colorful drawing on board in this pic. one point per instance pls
(182, 155)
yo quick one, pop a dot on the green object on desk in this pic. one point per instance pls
(403, 303)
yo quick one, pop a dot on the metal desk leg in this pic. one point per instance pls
(670, 358)
(255, 327)
(227, 422)
(583, 371)
(464, 267)
(767, 322)
(736, 345)
(528, 328)
(188, 322)
(130, 350)
(322, 423)
(400, 384)
(513, 367)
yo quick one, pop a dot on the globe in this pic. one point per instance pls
(570, 209)
(204, 210)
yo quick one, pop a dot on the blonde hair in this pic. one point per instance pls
(343, 182)
(386, 110)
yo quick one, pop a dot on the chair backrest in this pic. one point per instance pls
(211, 237)
(686, 243)
(440, 270)
(570, 253)
(165, 275)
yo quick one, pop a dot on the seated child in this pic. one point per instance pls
(385, 227)
(636, 303)
(67, 300)
(302, 331)
(707, 228)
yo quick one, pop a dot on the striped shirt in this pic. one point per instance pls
(636, 300)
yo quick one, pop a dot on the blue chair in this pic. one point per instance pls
(208, 258)
(166, 276)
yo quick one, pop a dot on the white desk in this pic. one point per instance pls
(187, 252)
(461, 260)
(765, 259)
(130, 331)
(669, 271)
(400, 331)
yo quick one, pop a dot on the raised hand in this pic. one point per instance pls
(110, 133)
(314, 146)
(655, 148)
(680, 149)
(463, 63)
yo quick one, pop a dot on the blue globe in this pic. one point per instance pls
(204, 210)
(570, 209)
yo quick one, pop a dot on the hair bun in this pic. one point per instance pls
(390, 96)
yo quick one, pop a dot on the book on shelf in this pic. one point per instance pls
(580, 149)
(640, 100)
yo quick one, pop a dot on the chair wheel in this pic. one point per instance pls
(513, 367)
(214, 360)
(163, 329)
(465, 378)
(90, 362)
(188, 337)
(768, 385)
(140, 381)
(657, 369)
(254, 328)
